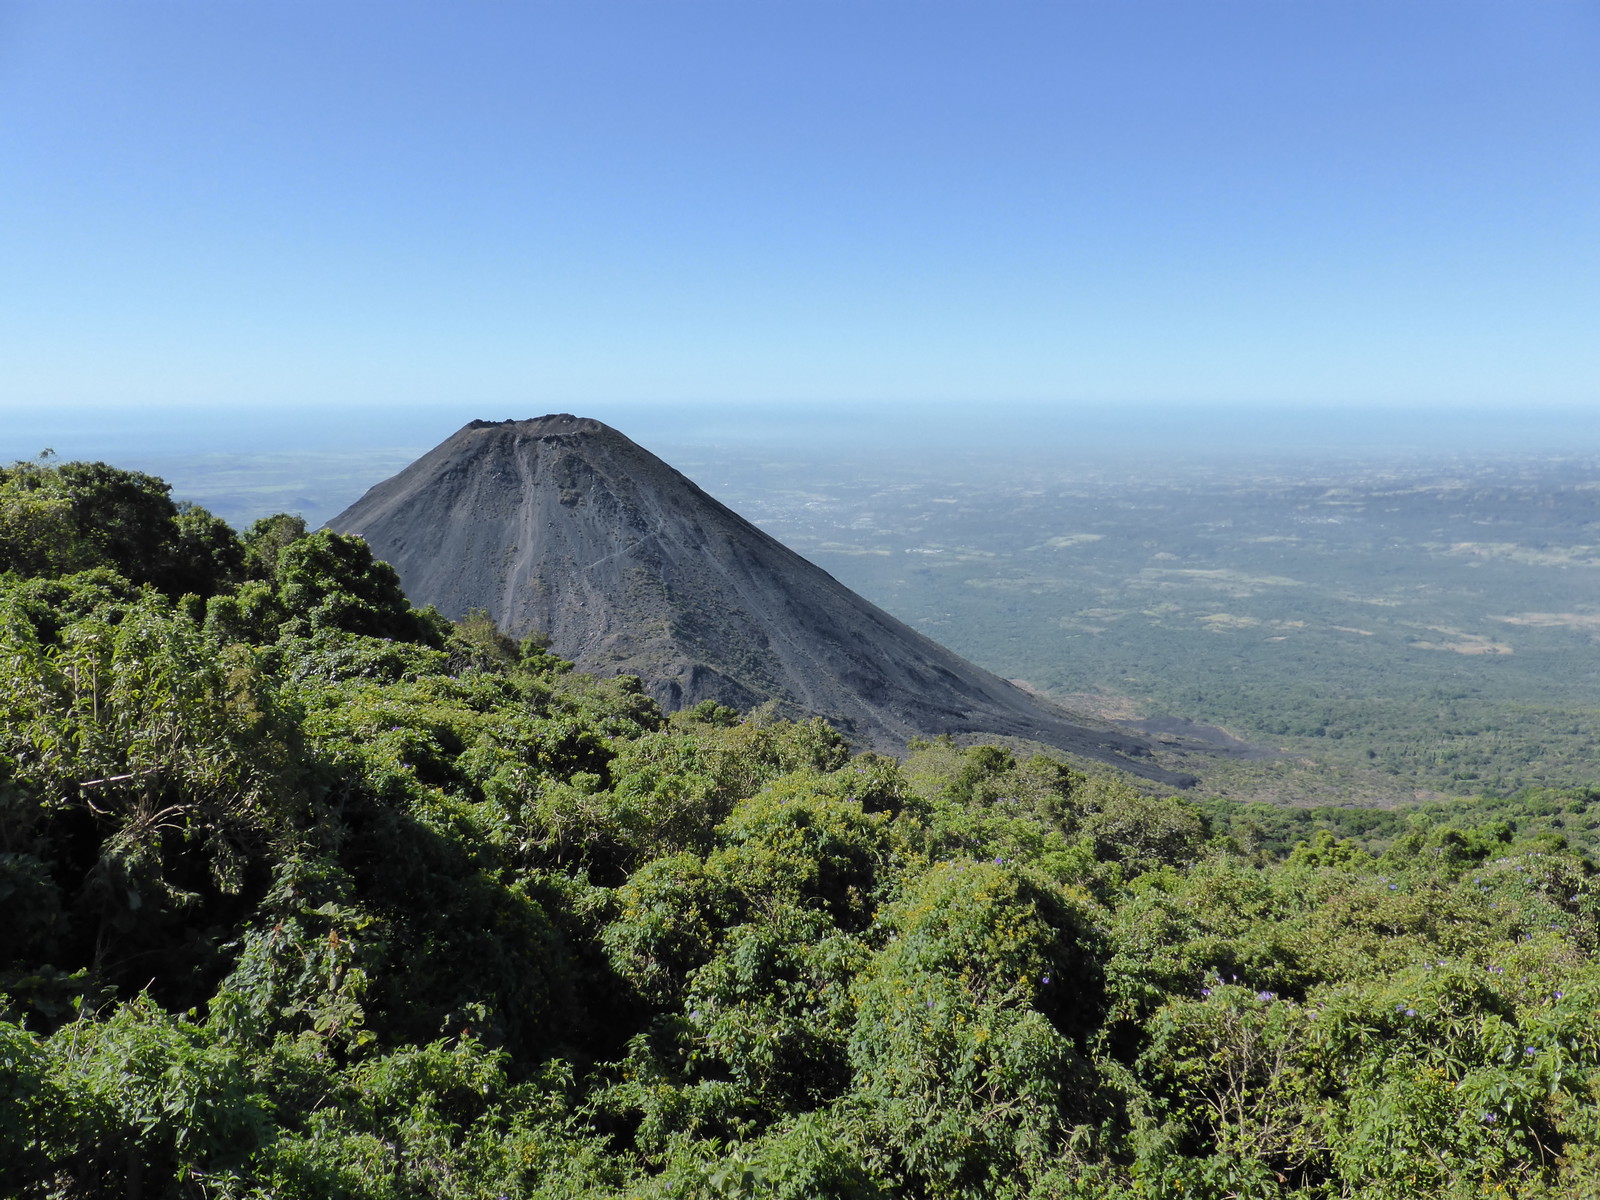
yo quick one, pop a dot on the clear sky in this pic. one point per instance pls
(557, 206)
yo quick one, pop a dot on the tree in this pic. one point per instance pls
(127, 516)
(334, 582)
(58, 520)
(266, 540)
(38, 530)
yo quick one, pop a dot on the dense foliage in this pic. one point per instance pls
(311, 894)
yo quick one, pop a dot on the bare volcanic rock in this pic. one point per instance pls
(563, 526)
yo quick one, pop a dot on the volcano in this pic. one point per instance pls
(562, 526)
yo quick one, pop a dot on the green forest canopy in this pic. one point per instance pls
(309, 893)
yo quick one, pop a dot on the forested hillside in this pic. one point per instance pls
(311, 894)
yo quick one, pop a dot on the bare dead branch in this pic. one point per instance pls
(93, 783)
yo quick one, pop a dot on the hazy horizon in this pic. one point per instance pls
(245, 462)
(102, 430)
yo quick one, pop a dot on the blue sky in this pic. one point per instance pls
(528, 207)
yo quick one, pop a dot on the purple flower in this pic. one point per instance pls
(1530, 1052)
(1044, 979)
(1411, 1012)
(1266, 995)
(1205, 991)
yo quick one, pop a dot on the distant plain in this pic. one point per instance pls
(1392, 632)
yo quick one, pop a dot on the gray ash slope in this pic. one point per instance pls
(561, 525)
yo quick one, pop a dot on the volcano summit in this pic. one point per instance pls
(563, 526)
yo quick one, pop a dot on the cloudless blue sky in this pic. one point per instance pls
(556, 206)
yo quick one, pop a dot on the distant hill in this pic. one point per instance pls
(563, 526)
